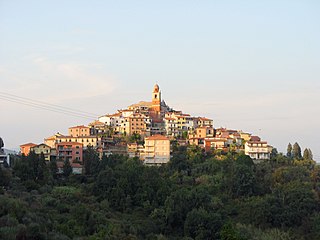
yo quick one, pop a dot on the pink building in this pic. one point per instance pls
(71, 151)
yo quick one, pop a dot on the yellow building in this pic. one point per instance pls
(52, 140)
(86, 141)
(135, 150)
(202, 132)
(202, 121)
(157, 150)
(42, 148)
(245, 136)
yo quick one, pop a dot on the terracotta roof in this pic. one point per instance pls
(96, 122)
(50, 138)
(69, 143)
(255, 138)
(81, 126)
(28, 144)
(204, 119)
(258, 142)
(141, 103)
(77, 137)
(157, 137)
(125, 110)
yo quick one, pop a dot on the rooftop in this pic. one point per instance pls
(157, 137)
(28, 145)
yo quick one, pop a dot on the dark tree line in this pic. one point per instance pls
(195, 196)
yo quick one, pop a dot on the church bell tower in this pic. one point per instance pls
(156, 99)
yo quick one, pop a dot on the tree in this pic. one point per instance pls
(200, 224)
(90, 160)
(289, 151)
(104, 182)
(53, 168)
(310, 154)
(5, 177)
(274, 153)
(67, 169)
(306, 155)
(42, 169)
(296, 151)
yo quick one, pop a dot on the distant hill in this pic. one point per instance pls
(10, 151)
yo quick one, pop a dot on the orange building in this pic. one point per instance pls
(79, 131)
(137, 124)
(25, 148)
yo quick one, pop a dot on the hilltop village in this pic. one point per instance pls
(147, 130)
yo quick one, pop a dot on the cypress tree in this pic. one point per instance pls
(289, 151)
(310, 154)
(306, 155)
(296, 151)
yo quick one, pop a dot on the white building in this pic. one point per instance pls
(257, 150)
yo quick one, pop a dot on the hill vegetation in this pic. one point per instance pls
(194, 196)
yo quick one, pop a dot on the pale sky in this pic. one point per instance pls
(250, 65)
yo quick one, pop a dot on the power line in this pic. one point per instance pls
(45, 103)
(46, 106)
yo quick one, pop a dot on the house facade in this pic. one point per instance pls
(44, 149)
(257, 150)
(157, 150)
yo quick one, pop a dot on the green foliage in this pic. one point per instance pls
(67, 169)
(307, 154)
(200, 224)
(90, 160)
(53, 168)
(296, 151)
(289, 151)
(194, 196)
(5, 177)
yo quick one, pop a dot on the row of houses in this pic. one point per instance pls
(227, 139)
(156, 124)
(155, 151)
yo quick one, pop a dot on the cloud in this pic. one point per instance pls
(65, 81)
